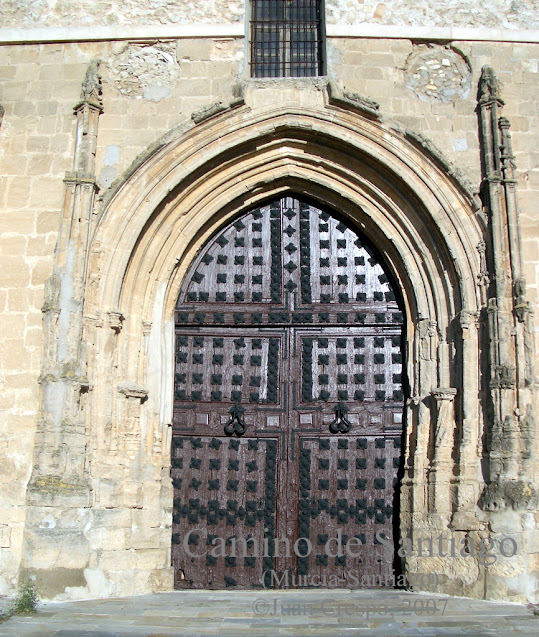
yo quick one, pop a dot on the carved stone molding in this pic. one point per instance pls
(219, 107)
(79, 178)
(146, 327)
(352, 101)
(467, 319)
(444, 393)
(133, 391)
(506, 151)
(504, 377)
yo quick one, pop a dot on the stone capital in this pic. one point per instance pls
(444, 393)
(115, 320)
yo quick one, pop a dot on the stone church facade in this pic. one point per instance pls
(135, 139)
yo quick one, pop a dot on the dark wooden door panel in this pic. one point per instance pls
(356, 370)
(288, 404)
(225, 489)
(216, 369)
(347, 489)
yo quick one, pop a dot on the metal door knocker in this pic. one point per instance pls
(341, 424)
(236, 424)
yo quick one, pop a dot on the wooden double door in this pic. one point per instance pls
(288, 407)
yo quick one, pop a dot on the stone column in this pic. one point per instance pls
(59, 491)
(443, 439)
(418, 414)
(464, 518)
(510, 348)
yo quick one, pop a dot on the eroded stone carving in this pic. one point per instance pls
(522, 306)
(527, 428)
(91, 85)
(354, 101)
(489, 86)
(483, 278)
(504, 377)
(115, 321)
(445, 420)
(132, 390)
(145, 71)
(438, 73)
(508, 495)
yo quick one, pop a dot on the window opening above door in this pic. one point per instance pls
(286, 38)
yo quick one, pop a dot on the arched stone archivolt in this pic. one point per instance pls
(151, 228)
(102, 451)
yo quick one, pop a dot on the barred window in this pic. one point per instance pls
(286, 38)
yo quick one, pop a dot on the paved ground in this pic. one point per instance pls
(328, 613)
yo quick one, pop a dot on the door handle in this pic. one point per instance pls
(341, 424)
(236, 424)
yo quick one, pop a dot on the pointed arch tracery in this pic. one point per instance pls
(152, 231)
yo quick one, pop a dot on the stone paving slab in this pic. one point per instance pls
(328, 613)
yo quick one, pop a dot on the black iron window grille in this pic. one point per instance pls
(286, 38)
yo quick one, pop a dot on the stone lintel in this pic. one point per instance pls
(152, 32)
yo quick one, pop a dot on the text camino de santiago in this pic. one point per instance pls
(486, 550)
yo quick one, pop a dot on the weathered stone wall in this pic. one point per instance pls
(19, 13)
(520, 14)
(487, 13)
(36, 140)
(148, 89)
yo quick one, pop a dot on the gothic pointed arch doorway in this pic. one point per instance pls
(288, 406)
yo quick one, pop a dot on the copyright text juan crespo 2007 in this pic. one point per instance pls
(427, 606)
